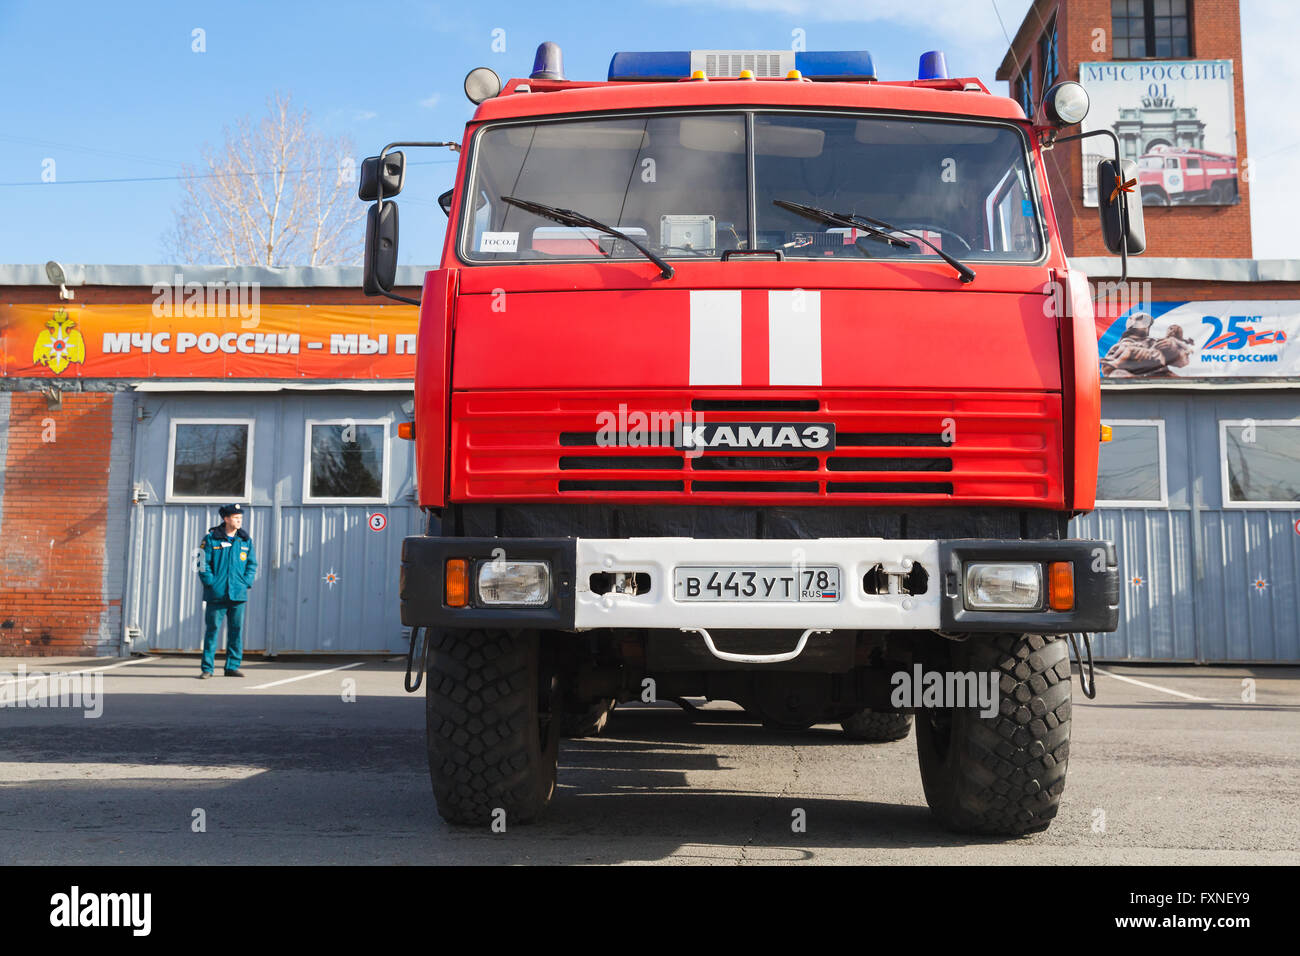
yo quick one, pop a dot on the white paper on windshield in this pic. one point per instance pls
(498, 242)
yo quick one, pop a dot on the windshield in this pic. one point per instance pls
(679, 184)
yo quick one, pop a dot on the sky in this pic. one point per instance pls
(116, 91)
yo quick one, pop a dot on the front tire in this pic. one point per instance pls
(876, 726)
(492, 708)
(1002, 774)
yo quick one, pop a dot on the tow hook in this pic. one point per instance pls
(1089, 687)
(419, 638)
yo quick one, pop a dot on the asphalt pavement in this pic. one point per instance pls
(323, 761)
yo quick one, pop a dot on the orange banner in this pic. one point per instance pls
(234, 340)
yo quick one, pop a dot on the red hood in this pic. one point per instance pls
(900, 327)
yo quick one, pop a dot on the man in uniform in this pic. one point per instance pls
(227, 568)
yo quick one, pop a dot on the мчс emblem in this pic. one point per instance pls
(59, 343)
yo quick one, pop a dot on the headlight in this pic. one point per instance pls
(1004, 587)
(519, 583)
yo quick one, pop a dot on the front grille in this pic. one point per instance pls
(980, 447)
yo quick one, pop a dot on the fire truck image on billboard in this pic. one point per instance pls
(753, 377)
(1170, 177)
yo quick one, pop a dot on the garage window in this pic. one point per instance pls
(1131, 469)
(347, 462)
(1260, 463)
(210, 459)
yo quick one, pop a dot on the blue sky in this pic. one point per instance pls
(114, 91)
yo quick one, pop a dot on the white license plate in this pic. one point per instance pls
(753, 583)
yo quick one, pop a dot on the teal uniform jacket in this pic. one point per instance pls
(229, 565)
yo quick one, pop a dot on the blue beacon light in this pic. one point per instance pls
(933, 66)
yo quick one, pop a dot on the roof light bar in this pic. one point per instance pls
(728, 64)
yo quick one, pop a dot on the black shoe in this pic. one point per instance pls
(234, 673)
(205, 675)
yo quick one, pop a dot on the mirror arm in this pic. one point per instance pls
(1123, 210)
(455, 148)
(400, 298)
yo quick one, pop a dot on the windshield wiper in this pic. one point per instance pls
(571, 217)
(874, 228)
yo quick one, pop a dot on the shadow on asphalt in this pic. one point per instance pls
(358, 771)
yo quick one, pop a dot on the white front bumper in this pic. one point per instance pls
(657, 557)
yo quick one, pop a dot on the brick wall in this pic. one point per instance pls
(52, 575)
(1173, 231)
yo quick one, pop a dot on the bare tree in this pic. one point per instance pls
(278, 193)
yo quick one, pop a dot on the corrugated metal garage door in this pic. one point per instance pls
(327, 581)
(1202, 582)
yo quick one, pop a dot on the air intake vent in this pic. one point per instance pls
(892, 439)
(624, 440)
(743, 487)
(753, 463)
(615, 485)
(611, 463)
(889, 464)
(889, 487)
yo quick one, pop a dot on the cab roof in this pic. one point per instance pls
(967, 97)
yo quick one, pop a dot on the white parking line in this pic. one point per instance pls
(290, 680)
(1163, 690)
(84, 670)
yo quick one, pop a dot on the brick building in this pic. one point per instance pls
(1056, 36)
(1201, 363)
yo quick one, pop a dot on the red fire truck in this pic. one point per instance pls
(741, 379)
(1170, 176)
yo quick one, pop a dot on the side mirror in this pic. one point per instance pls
(390, 177)
(1120, 208)
(445, 201)
(379, 267)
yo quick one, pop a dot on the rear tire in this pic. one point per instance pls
(1002, 774)
(1224, 192)
(492, 710)
(876, 726)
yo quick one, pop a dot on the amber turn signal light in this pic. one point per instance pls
(1106, 433)
(406, 430)
(457, 579)
(1060, 586)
